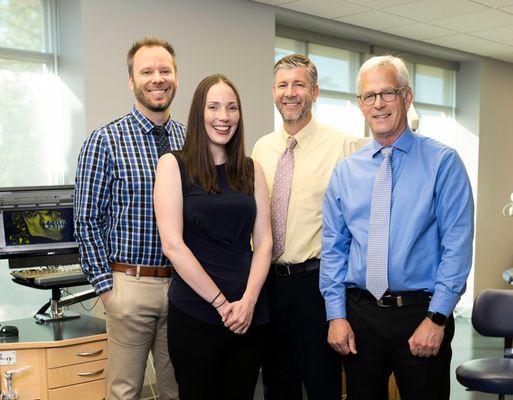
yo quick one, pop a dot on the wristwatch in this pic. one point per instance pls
(437, 318)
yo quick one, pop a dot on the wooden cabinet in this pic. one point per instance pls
(72, 370)
(393, 391)
(30, 384)
(85, 391)
(64, 369)
(76, 354)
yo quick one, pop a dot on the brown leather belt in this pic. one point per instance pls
(141, 270)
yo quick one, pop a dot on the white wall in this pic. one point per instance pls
(232, 37)
(494, 232)
(466, 141)
(71, 72)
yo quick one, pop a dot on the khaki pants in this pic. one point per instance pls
(137, 323)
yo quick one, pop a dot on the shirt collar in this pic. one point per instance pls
(146, 124)
(304, 136)
(403, 142)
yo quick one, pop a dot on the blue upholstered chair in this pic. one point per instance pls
(492, 315)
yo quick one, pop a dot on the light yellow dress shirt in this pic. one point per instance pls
(319, 148)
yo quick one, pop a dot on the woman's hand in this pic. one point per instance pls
(224, 310)
(241, 315)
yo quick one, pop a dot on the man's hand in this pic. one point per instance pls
(105, 296)
(341, 336)
(427, 338)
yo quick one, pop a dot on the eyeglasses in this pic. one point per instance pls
(387, 96)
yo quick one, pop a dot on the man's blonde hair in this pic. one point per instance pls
(295, 61)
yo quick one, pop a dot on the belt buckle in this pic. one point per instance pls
(398, 301)
(278, 270)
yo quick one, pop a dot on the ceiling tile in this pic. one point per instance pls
(468, 43)
(483, 27)
(495, 3)
(476, 21)
(326, 8)
(507, 9)
(428, 10)
(376, 20)
(379, 4)
(508, 57)
(419, 31)
(495, 50)
(275, 2)
(503, 35)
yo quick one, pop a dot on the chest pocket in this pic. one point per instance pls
(310, 193)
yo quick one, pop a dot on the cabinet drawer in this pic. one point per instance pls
(76, 354)
(78, 373)
(85, 391)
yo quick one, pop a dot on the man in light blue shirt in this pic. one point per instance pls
(423, 236)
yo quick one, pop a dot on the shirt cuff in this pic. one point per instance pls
(443, 303)
(102, 283)
(336, 309)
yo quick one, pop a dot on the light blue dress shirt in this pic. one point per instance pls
(431, 223)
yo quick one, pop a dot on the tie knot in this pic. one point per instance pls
(291, 143)
(386, 152)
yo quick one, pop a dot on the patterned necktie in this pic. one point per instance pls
(376, 279)
(280, 197)
(161, 140)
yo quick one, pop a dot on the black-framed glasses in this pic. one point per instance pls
(386, 95)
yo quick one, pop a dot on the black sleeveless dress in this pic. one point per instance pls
(217, 228)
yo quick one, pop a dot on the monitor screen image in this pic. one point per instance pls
(36, 221)
(29, 227)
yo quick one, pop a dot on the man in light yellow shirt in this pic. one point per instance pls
(297, 162)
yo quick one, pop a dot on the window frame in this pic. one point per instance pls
(48, 56)
(302, 44)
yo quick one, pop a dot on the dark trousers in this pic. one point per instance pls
(298, 350)
(382, 348)
(210, 361)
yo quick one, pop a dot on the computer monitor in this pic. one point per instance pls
(36, 229)
(36, 226)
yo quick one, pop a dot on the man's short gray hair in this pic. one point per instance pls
(295, 61)
(396, 63)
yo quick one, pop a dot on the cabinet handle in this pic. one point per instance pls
(90, 353)
(90, 373)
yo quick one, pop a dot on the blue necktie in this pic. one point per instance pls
(376, 278)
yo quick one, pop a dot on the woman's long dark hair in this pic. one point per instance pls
(196, 154)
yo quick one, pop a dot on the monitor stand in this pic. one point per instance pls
(57, 304)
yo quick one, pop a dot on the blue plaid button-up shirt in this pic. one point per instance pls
(114, 218)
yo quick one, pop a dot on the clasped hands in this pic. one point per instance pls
(425, 341)
(237, 316)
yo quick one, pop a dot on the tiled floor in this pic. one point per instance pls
(467, 345)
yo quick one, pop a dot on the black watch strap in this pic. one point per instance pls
(437, 318)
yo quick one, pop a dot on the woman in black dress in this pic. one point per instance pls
(211, 204)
